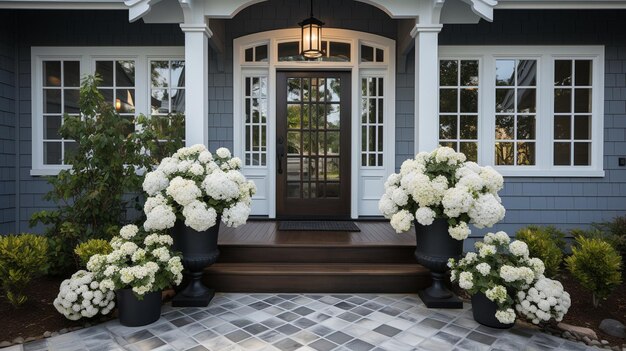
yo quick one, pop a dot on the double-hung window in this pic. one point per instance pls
(146, 80)
(527, 111)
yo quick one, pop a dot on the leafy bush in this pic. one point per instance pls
(596, 265)
(91, 247)
(92, 195)
(545, 243)
(22, 258)
(614, 232)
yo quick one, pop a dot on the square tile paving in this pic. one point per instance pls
(317, 322)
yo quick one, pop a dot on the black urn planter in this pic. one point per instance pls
(484, 311)
(134, 312)
(434, 247)
(199, 250)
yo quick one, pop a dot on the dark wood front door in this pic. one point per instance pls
(313, 145)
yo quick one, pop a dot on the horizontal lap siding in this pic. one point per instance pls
(564, 202)
(7, 126)
(69, 28)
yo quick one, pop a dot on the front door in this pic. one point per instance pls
(313, 145)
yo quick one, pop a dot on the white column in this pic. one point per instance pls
(426, 86)
(196, 83)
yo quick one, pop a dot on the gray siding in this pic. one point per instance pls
(68, 28)
(564, 202)
(7, 126)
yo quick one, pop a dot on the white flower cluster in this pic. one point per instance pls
(503, 270)
(83, 296)
(191, 179)
(543, 301)
(440, 184)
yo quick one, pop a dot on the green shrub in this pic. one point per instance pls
(596, 265)
(545, 243)
(22, 258)
(614, 232)
(92, 196)
(91, 247)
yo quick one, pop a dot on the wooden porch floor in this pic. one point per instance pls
(266, 233)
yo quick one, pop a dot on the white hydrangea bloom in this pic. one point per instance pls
(198, 216)
(500, 238)
(457, 200)
(492, 179)
(160, 218)
(401, 221)
(78, 297)
(519, 248)
(205, 157)
(236, 215)
(183, 191)
(486, 250)
(168, 166)
(154, 201)
(506, 316)
(537, 266)
(545, 300)
(466, 280)
(196, 169)
(155, 182)
(223, 152)
(219, 187)
(497, 294)
(459, 232)
(387, 206)
(129, 231)
(486, 211)
(425, 215)
(400, 197)
(483, 268)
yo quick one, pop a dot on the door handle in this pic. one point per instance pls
(280, 153)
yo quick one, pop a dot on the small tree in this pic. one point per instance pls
(596, 265)
(93, 195)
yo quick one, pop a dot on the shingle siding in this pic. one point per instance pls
(564, 202)
(7, 125)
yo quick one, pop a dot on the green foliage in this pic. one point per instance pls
(596, 265)
(614, 232)
(545, 243)
(91, 247)
(92, 196)
(22, 258)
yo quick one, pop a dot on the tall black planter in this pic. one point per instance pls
(199, 251)
(434, 247)
(484, 311)
(134, 312)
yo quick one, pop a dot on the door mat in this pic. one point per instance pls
(334, 226)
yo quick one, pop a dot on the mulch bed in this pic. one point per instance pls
(582, 313)
(37, 315)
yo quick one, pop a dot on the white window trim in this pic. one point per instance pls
(359, 175)
(87, 57)
(545, 56)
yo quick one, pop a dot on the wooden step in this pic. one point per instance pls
(317, 277)
(316, 253)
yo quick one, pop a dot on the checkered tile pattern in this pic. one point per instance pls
(313, 322)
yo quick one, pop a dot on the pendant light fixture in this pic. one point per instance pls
(311, 37)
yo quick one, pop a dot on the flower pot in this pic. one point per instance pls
(199, 250)
(134, 312)
(484, 311)
(434, 246)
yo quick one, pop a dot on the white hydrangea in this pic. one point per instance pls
(392, 180)
(400, 197)
(545, 300)
(519, 248)
(492, 179)
(387, 206)
(401, 221)
(155, 182)
(197, 169)
(183, 191)
(198, 216)
(486, 211)
(425, 215)
(219, 187)
(509, 273)
(499, 238)
(168, 166)
(470, 258)
(497, 294)
(486, 250)
(236, 215)
(79, 297)
(154, 201)
(205, 157)
(129, 231)
(506, 316)
(471, 181)
(161, 217)
(459, 232)
(223, 152)
(162, 254)
(457, 200)
(537, 266)
(466, 280)
(483, 268)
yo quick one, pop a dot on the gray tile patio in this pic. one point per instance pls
(312, 322)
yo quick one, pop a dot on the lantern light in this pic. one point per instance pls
(311, 37)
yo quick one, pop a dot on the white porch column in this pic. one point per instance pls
(426, 86)
(196, 82)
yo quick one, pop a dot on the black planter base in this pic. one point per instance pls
(203, 300)
(452, 302)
